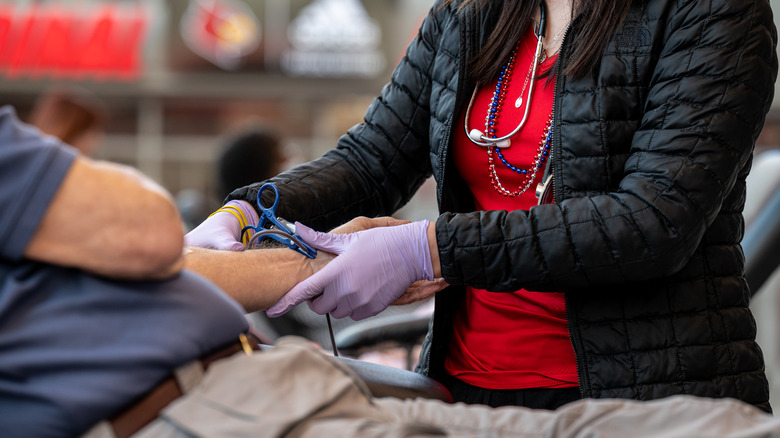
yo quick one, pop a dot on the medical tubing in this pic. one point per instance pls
(332, 337)
(274, 232)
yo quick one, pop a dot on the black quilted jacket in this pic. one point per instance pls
(649, 160)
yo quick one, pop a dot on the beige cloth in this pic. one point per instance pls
(296, 391)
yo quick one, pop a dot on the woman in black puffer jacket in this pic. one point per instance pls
(654, 109)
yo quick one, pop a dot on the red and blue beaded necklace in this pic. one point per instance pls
(491, 121)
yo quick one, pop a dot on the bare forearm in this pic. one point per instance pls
(256, 279)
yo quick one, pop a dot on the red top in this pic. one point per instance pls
(509, 340)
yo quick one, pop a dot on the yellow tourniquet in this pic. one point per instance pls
(235, 211)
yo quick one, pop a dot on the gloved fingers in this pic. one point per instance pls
(232, 246)
(221, 230)
(324, 303)
(305, 232)
(303, 291)
(212, 241)
(373, 268)
(367, 309)
(248, 213)
(191, 240)
(333, 243)
(311, 305)
(363, 313)
(354, 304)
(343, 308)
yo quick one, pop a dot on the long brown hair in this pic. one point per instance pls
(601, 19)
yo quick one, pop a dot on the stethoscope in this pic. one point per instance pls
(478, 137)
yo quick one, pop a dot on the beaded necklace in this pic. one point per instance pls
(491, 120)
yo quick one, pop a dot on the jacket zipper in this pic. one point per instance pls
(550, 171)
(551, 168)
(556, 197)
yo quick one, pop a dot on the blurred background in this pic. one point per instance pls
(174, 81)
(180, 88)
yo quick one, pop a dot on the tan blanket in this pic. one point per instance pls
(296, 391)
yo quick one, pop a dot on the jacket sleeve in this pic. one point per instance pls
(707, 97)
(380, 163)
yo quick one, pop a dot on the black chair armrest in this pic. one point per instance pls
(403, 329)
(385, 381)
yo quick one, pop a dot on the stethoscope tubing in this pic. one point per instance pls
(488, 141)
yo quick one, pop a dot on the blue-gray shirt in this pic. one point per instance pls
(75, 348)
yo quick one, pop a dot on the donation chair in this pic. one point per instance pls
(386, 381)
(405, 331)
(382, 380)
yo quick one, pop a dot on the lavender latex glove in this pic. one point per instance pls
(372, 269)
(222, 230)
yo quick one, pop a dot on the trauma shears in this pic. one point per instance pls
(276, 228)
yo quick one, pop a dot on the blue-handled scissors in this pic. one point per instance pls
(276, 228)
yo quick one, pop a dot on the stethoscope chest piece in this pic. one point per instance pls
(476, 137)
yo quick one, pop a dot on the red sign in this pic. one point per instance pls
(103, 41)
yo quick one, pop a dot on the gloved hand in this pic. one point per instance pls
(222, 230)
(372, 269)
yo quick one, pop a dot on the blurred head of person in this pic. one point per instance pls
(252, 155)
(73, 115)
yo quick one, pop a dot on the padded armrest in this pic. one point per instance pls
(385, 381)
(404, 329)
